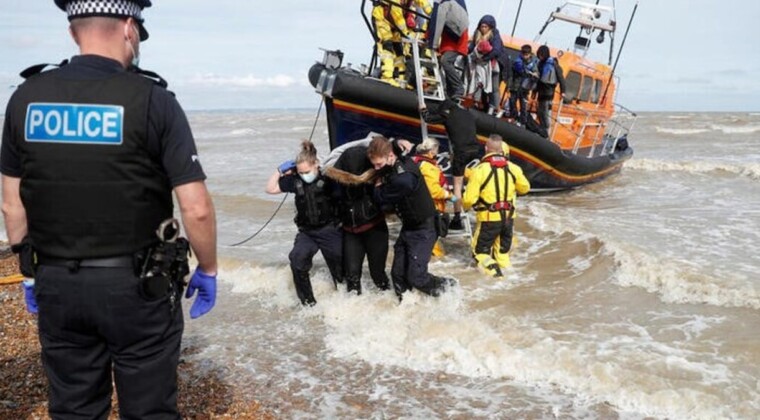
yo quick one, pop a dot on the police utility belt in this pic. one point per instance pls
(161, 268)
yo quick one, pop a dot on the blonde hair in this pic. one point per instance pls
(427, 146)
(307, 154)
(480, 36)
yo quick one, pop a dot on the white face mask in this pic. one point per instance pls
(308, 177)
(135, 50)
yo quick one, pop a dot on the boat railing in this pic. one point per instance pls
(558, 121)
(618, 127)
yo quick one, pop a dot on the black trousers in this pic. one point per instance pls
(374, 244)
(94, 322)
(411, 255)
(328, 240)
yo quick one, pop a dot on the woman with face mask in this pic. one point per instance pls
(316, 218)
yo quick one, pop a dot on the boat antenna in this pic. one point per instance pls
(517, 16)
(620, 51)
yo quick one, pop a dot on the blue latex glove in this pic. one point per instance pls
(31, 302)
(206, 286)
(286, 166)
(453, 198)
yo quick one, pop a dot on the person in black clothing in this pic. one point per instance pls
(463, 142)
(365, 231)
(91, 153)
(316, 218)
(402, 186)
(550, 75)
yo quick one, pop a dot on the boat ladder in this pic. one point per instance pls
(427, 75)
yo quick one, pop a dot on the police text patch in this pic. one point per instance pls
(74, 123)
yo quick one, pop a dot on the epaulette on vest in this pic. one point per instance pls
(155, 77)
(38, 68)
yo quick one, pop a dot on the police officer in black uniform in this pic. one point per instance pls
(403, 186)
(316, 218)
(91, 153)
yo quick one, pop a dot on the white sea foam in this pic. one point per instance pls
(749, 170)
(673, 281)
(736, 129)
(680, 131)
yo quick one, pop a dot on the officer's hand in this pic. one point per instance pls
(453, 198)
(206, 286)
(286, 166)
(31, 302)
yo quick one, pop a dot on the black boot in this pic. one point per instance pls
(354, 284)
(456, 222)
(303, 288)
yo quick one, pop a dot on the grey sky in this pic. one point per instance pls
(680, 55)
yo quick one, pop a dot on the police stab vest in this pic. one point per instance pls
(417, 207)
(314, 207)
(90, 187)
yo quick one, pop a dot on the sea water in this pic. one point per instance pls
(635, 297)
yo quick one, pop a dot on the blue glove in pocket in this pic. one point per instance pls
(31, 301)
(206, 286)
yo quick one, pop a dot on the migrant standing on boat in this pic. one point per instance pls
(316, 217)
(447, 35)
(403, 187)
(426, 158)
(91, 153)
(488, 61)
(491, 191)
(550, 75)
(523, 81)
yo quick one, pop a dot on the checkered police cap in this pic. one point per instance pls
(110, 8)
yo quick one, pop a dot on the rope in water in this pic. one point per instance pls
(316, 121)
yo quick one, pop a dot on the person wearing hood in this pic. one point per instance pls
(488, 58)
(316, 218)
(550, 75)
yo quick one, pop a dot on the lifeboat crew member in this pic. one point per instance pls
(365, 232)
(390, 25)
(402, 186)
(435, 180)
(316, 218)
(491, 192)
(91, 152)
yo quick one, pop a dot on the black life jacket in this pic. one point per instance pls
(314, 206)
(506, 207)
(90, 187)
(417, 207)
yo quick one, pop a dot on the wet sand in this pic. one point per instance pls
(203, 392)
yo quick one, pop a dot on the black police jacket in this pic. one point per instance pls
(89, 185)
(414, 207)
(314, 203)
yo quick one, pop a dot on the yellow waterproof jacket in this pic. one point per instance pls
(388, 25)
(433, 175)
(482, 187)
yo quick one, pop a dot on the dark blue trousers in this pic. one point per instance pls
(412, 252)
(95, 321)
(328, 240)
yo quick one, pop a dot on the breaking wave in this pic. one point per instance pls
(681, 131)
(749, 170)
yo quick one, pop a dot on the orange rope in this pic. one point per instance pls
(14, 278)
